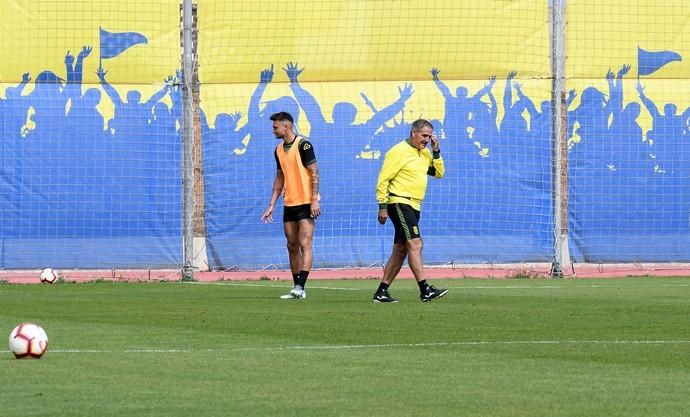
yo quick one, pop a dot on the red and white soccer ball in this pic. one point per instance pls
(28, 340)
(49, 276)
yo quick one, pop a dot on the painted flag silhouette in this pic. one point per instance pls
(113, 44)
(649, 61)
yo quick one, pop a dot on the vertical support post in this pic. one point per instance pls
(187, 141)
(559, 135)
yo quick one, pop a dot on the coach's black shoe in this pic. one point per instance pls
(384, 296)
(432, 293)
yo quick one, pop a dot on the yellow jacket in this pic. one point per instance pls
(403, 176)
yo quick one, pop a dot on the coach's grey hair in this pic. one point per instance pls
(419, 124)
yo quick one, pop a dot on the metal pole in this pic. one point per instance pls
(187, 140)
(559, 132)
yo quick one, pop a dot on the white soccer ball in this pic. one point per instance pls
(49, 276)
(28, 340)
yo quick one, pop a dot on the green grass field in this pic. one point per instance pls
(517, 347)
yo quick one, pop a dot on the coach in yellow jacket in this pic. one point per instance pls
(400, 191)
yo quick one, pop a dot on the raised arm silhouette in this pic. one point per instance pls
(258, 117)
(483, 120)
(666, 133)
(75, 72)
(513, 125)
(132, 116)
(342, 136)
(666, 126)
(625, 147)
(83, 117)
(458, 108)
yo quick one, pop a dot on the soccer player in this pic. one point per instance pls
(297, 178)
(400, 190)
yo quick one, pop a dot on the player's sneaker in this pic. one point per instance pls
(296, 293)
(384, 296)
(432, 293)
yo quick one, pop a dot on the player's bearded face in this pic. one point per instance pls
(280, 129)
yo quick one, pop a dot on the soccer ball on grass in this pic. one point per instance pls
(28, 340)
(49, 276)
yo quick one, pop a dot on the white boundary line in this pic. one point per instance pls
(284, 286)
(383, 346)
(463, 287)
(477, 343)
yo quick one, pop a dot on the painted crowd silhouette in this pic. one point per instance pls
(123, 174)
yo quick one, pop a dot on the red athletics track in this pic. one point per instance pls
(456, 271)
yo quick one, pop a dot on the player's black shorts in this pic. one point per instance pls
(405, 220)
(297, 213)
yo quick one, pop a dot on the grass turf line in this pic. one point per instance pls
(491, 348)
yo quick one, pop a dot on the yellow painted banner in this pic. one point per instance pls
(650, 38)
(37, 35)
(604, 35)
(365, 40)
(364, 52)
